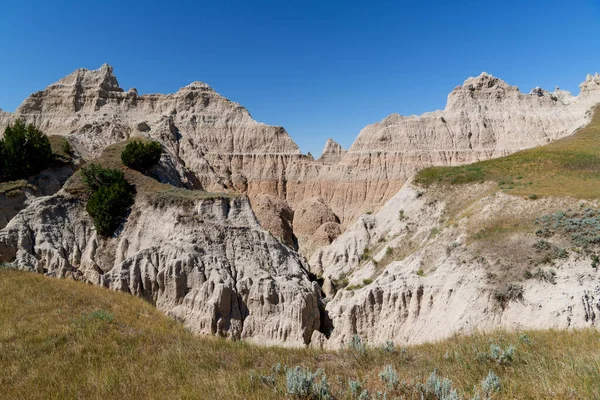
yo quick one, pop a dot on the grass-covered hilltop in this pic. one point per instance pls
(64, 339)
(567, 167)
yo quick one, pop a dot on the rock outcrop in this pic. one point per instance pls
(207, 263)
(218, 146)
(409, 275)
(332, 152)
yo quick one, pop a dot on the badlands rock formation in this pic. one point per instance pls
(207, 263)
(216, 145)
(332, 152)
(431, 279)
(212, 265)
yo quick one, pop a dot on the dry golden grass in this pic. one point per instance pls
(64, 339)
(567, 167)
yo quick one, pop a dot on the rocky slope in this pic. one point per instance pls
(438, 262)
(216, 145)
(206, 262)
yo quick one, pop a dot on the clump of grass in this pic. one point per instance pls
(401, 216)
(567, 167)
(595, 261)
(420, 272)
(9, 187)
(542, 275)
(101, 315)
(366, 255)
(434, 232)
(510, 292)
(340, 283)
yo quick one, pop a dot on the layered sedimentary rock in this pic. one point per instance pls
(17, 195)
(332, 152)
(218, 146)
(208, 264)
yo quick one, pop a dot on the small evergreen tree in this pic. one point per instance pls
(25, 151)
(141, 156)
(94, 176)
(111, 198)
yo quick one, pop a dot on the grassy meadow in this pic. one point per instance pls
(65, 339)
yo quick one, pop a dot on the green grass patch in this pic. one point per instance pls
(567, 167)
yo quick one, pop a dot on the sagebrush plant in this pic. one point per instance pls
(141, 156)
(355, 388)
(356, 345)
(389, 377)
(388, 347)
(491, 384)
(438, 387)
(581, 226)
(502, 356)
(301, 383)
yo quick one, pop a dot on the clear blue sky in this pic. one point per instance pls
(319, 68)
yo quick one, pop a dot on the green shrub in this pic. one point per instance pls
(401, 215)
(66, 147)
(24, 151)
(111, 198)
(141, 156)
(95, 177)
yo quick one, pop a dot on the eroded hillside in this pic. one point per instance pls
(215, 144)
(466, 249)
(212, 235)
